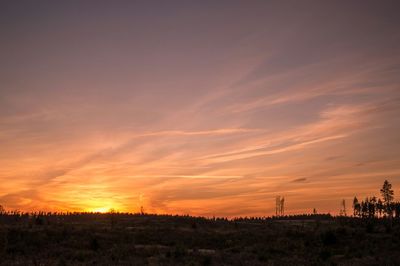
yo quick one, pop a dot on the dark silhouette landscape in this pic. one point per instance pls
(371, 236)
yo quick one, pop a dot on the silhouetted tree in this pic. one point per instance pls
(364, 208)
(2, 210)
(387, 194)
(356, 207)
(379, 207)
(397, 209)
(372, 207)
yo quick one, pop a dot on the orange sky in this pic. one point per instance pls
(202, 109)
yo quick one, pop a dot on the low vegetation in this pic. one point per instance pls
(143, 239)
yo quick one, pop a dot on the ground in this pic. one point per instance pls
(122, 239)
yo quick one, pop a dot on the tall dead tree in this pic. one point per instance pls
(279, 206)
(343, 208)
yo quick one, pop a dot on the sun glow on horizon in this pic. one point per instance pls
(101, 209)
(102, 206)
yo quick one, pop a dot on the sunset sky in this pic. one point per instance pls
(198, 107)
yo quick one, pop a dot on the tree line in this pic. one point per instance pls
(373, 207)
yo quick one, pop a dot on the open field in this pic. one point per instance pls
(126, 239)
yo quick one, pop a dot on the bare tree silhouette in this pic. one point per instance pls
(279, 206)
(343, 208)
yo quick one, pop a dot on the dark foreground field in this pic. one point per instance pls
(120, 239)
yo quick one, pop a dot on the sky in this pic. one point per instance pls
(208, 108)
